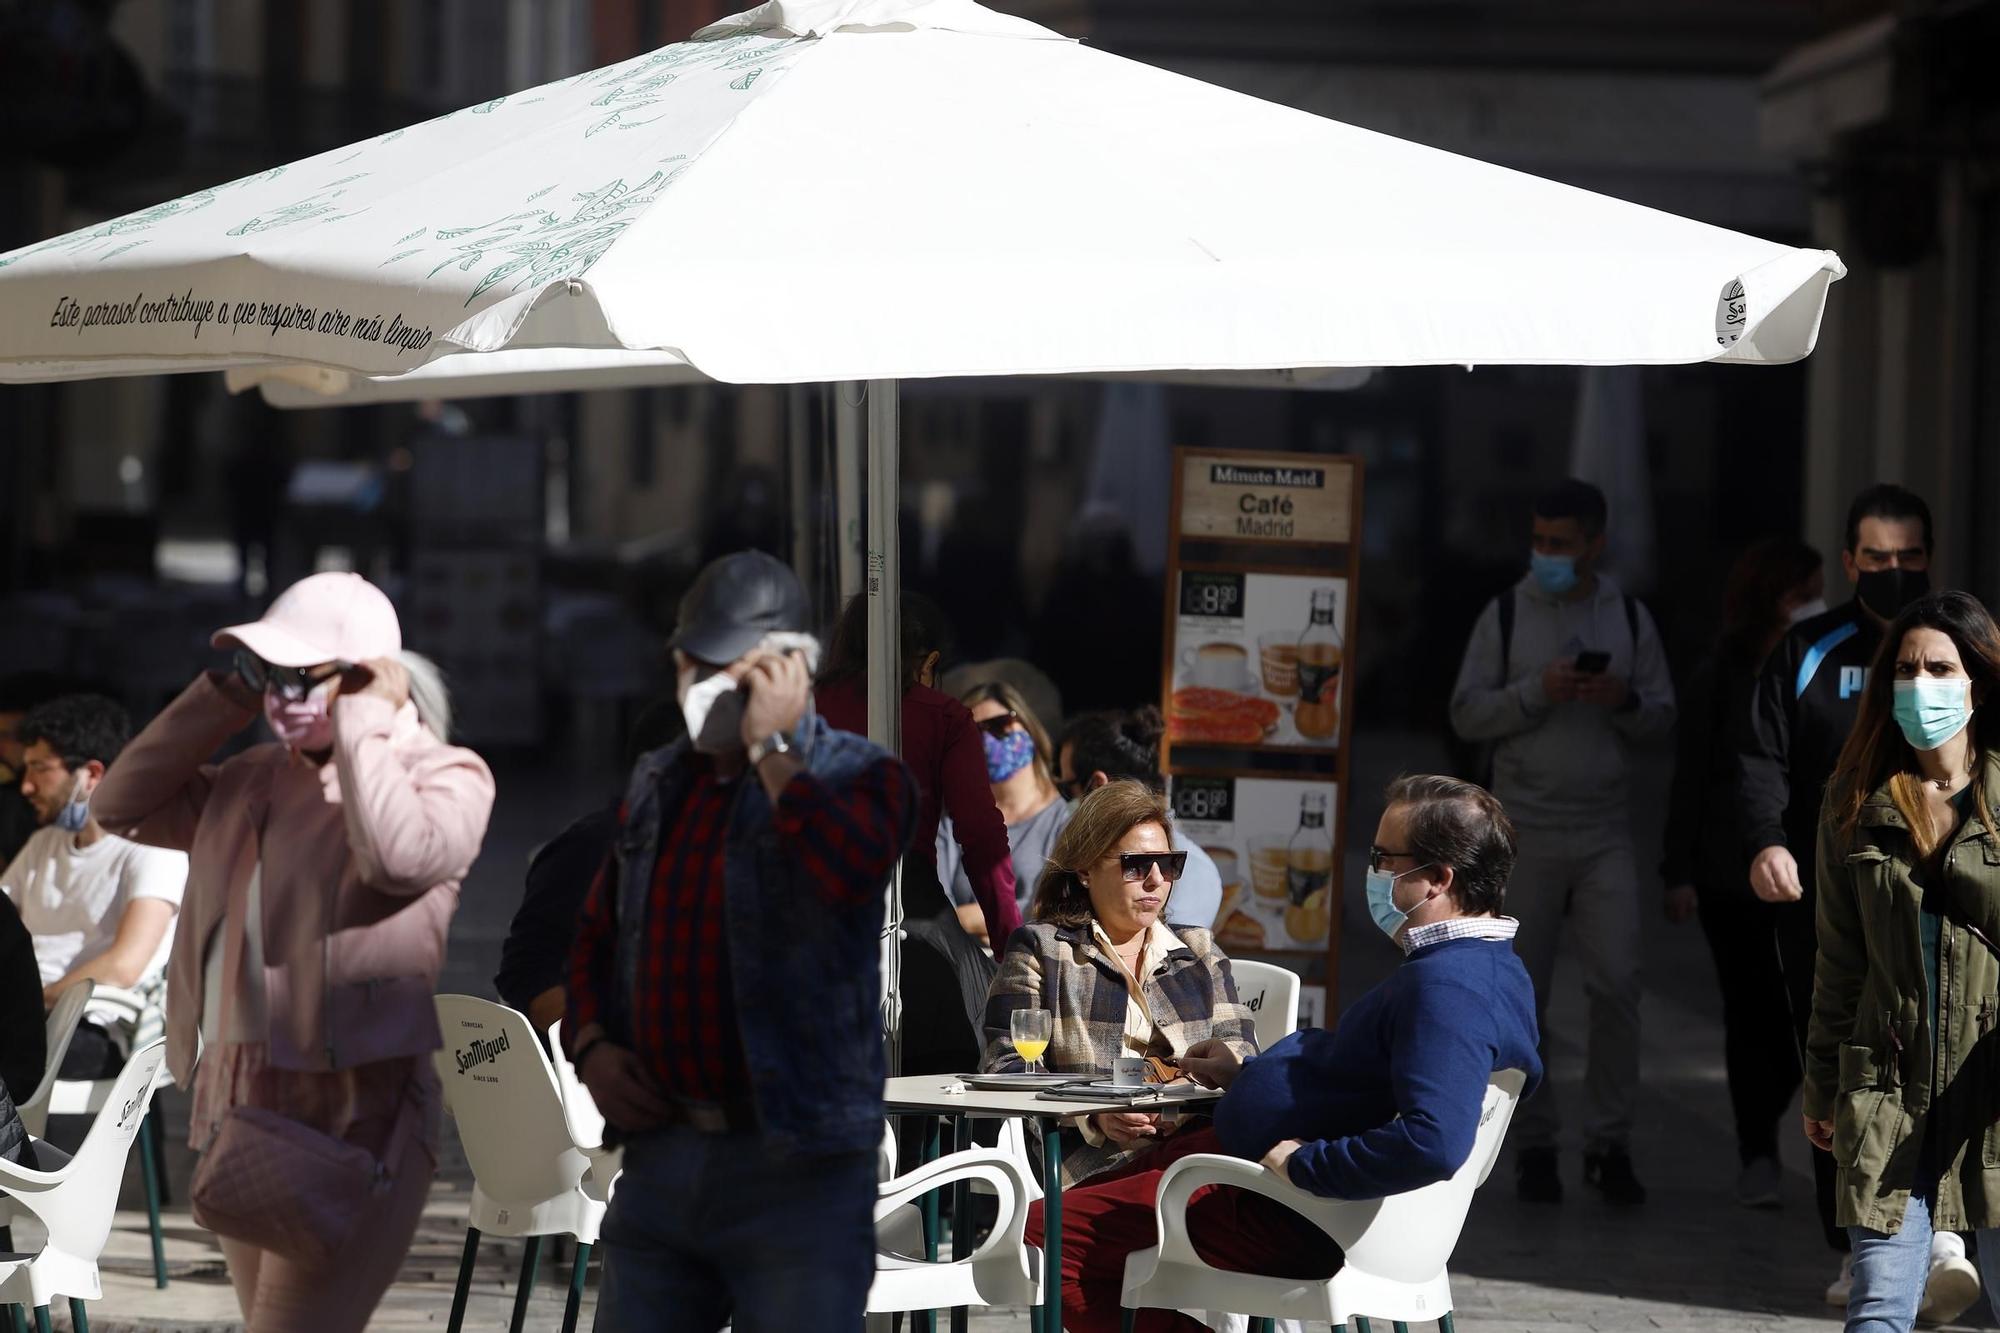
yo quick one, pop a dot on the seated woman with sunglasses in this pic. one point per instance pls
(324, 872)
(1095, 932)
(1020, 764)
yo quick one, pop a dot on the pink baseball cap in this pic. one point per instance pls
(324, 618)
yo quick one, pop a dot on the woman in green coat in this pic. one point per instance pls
(1902, 1059)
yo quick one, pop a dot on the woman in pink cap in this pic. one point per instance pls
(324, 871)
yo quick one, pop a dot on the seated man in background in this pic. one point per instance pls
(100, 908)
(534, 959)
(1389, 1101)
(1101, 748)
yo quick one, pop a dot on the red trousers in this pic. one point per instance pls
(1109, 1217)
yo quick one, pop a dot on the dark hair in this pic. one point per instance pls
(1118, 745)
(1877, 754)
(1887, 500)
(23, 690)
(925, 631)
(79, 727)
(1572, 498)
(1456, 824)
(1753, 619)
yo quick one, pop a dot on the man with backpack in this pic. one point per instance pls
(1563, 673)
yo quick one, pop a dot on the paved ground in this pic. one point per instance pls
(1689, 1260)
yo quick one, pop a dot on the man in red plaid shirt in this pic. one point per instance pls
(725, 984)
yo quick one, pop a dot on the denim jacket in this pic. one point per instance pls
(805, 966)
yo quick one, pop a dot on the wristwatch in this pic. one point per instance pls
(775, 743)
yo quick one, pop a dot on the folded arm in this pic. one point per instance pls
(1484, 706)
(1017, 985)
(1438, 1072)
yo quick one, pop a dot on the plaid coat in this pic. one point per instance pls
(1060, 968)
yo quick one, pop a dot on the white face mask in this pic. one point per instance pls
(712, 705)
(1807, 610)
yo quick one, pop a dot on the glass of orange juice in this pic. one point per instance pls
(1031, 1029)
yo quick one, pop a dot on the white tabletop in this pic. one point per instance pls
(944, 1094)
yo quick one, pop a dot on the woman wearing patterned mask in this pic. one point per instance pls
(1020, 763)
(324, 871)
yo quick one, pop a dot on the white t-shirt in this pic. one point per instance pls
(72, 898)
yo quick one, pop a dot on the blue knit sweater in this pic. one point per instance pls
(1389, 1100)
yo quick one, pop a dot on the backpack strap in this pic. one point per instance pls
(1632, 624)
(1504, 604)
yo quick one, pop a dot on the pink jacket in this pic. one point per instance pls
(362, 861)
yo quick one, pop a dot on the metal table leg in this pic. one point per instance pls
(926, 1320)
(1051, 1226)
(961, 1221)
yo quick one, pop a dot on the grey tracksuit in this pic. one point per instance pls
(1560, 770)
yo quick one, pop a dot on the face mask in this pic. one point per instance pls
(304, 724)
(1931, 712)
(712, 704)
(1887, 591)
(74, 817)
(1382, 901)
(1555, 573)
(1008, 755)
(1807, 610)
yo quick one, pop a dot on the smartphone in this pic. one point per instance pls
(1593, 663)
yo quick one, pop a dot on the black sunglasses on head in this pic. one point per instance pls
(998, 727)
(1137, 866)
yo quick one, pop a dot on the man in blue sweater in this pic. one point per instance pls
(1386, 1102)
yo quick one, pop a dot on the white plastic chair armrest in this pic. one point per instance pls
(1344, 1220)
(980, 1164)
(20, 1180)
(129, 1004)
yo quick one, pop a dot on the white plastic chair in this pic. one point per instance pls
(586, 1122)
(531, 1178)
(1396, 1248)
(64, 1020)
(1272, 993)
(142, 1016)
(74, 1198)
(1001, 1271)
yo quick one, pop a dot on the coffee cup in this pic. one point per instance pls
(1278, 659)
(1128, 1071)
(1217, 665)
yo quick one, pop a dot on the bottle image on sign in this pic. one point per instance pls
(1309, 872)
(1317, 715)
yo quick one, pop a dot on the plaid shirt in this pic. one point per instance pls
(1460, 928)
(688, 1037)
(1190, 995)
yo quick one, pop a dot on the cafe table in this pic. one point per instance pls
(943, 1097)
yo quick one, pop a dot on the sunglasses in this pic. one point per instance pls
(289, 683)
(1138, 866)
(998, 727)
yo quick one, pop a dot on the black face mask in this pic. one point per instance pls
(1887, 591)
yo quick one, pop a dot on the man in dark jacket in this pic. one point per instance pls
(1801, 712)
(24, 1052)
(725, 985)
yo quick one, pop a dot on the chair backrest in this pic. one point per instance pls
(78, 1211)
(1272, 994)
(500, 1089)
(1412, 1235)
(64, 1020)
(586, 1122)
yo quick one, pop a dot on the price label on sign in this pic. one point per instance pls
(1209, 799)
(1218, 596)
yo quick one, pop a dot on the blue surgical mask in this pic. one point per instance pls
(1382, 902)
(74, 817)
(1931, 712)
(1008, 755)
(1556, 574)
